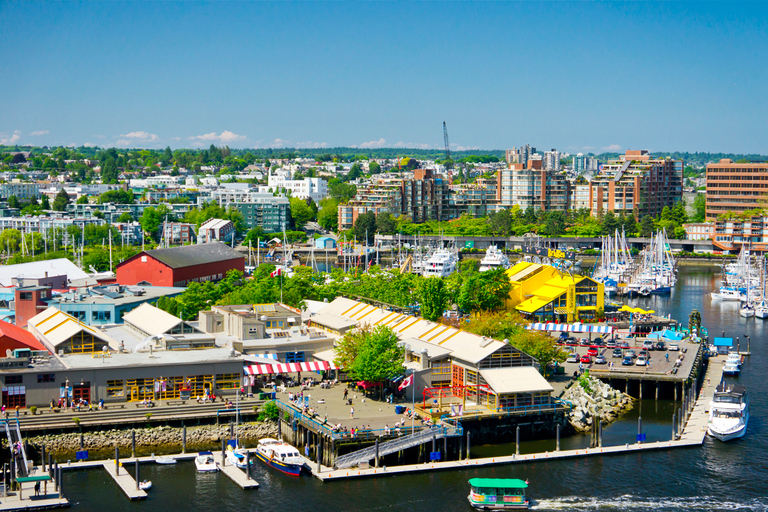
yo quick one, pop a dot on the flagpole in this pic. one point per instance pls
(413, 398)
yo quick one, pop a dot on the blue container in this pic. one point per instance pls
(399, 409)
(273, 395)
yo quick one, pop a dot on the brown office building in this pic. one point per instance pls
(734, 187)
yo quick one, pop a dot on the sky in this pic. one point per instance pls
(579, 77)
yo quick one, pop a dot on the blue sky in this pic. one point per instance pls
(572, 76)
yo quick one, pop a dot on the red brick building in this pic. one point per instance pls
(179, 266)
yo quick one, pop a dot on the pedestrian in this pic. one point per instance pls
(351, 413)
(37, 488)
(346, 392)
(667, 356)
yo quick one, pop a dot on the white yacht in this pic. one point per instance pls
(442, 264)
(494, 259)
(732, 367)
(728, 412)
(761, 309)
(747, 310)
(726, 293)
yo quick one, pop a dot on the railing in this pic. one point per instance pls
(395, 445)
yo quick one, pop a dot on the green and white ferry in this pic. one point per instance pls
(498, 493)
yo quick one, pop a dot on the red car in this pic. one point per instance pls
(593, 350)
(586, 359)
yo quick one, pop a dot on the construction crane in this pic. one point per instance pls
(448, 161)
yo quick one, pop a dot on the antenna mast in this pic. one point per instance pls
(448, 161)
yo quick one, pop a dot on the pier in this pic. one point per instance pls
(241, 477)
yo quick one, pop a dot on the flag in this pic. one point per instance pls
(276, 273)
(406, 382)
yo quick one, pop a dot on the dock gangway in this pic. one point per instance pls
(13, 433)
(402, 443)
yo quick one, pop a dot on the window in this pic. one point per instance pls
(13, 379)
(294, 357)
(115, 389)
(227, 380)
(46, 377)
(25, 296)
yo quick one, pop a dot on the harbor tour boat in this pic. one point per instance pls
(494, 259)
(728, 412)
(205, 463)
(280, 456)
(498, 493)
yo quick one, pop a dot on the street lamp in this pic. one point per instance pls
(66, 392)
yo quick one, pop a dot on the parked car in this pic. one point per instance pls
(584, 341)
(643, 353)
(641, 361)
(627, 361)
(573, 357)
(600, 360)
(660, 345)
(586, 359)
(648, 345)
(617, 353)
(630, 353)
(673, 347)
(623, 344)
(611, 344)
(593, 350)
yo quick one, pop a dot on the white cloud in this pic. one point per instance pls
(415, 145)
(89, 145)
(40, 132)
(122, 142)
(141, 136)
(310, 144)
(175, 138)
(588, 148)
(466, 148)
(373, 144)
(10, 141)
(279, 143)
(225, 137)
(613, 148)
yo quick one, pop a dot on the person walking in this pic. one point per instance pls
(346, 392)
(351, 413)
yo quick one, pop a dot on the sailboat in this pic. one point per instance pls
(761, 307)
(747, 310)
(237, 455)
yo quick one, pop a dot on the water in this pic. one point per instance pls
(717, 476)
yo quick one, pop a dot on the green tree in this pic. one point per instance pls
(646, 226)
(116, 196)
(13, 202)
(377, 354)
(328, 215)
(355, 172)
(82, 199)
(61, 201)
(125, 217)
(386, 224)
(153, 217)
(484, 291)
(366, 224)
(433, 298)
(109, 172)
(341, 192)
(167, 156)
(45, 203)
(541, 346)
(610, 223)
(374, 168)
(700, 208)
(302, 211)
(555, 224)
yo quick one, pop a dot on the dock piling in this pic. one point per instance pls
(558, 438)
(468, 433)
(639, 427)
(42, 456)
(517, 441)
(184, 439)
(133, 444)
(117, 461)
(223, 452)
(376, 459)
(680, 420)
(248, 465)
(600, 433)
(674, 425)
(136, 463)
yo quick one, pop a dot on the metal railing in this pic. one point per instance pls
(395, 445)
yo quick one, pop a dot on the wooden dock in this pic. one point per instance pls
(124, 480)
(239, 476)
(693, 434)
(25, 499)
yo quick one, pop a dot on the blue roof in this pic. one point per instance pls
(723, 342)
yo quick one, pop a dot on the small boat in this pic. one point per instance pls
(731, 368)
(728, 412)
(237, 456)
(498, 493)
(761, 310)
(205, 463)
(747, 310)
(280, 456)
(165, 460)
(145, 485)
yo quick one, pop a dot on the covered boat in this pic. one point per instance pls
(279, 455)
(498, 493)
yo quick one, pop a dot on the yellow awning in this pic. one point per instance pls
(549, 292)
(532, 305)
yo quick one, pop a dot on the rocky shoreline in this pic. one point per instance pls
(157, 440)
(592, 398)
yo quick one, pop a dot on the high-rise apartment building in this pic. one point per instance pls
(532, 186)
(552, 160)
(520, 156)
(735, 187)
(583, 163)
(636, 184)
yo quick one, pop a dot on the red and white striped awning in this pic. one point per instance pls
(314, 366)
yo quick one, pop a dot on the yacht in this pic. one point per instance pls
(280, 456)
(761, 309)
(731, 367)
(728, 412)
(726, 293)
(442, 264)
(494, 259)
(747, 310)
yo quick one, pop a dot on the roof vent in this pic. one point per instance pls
(485, 341)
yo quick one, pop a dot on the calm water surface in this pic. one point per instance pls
(716, 476)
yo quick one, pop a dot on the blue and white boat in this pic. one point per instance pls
(280, 456)
(237, 456)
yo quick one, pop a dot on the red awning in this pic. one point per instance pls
(263, 369)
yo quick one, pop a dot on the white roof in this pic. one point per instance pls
(55, 327)
(325, 355)
(151, 320)
(39, 269)
(519, 379)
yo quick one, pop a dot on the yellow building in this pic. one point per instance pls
(543, 293)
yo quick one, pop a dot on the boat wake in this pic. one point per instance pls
(629, 502)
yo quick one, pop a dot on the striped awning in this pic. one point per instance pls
(600, 329)
(263, 369)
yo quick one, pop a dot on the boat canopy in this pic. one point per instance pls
(506, 483)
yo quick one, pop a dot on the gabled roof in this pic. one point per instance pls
(526, 379)
(55, 327)
(151, 320)
(16, 333)
(39, 269)
(191, 255)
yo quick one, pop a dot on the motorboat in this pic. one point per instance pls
(165, 460)
(494, 259)
(734, 358)
(237, 456)
(280, 456)
(145, 485)
(761, 309)
(726, 293)
(205, 463)
(731, 368)
(498, 493)
(442, 263)
(728, 412)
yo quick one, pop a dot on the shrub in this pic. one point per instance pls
(33, 409)
(269, 412)
(77, 421)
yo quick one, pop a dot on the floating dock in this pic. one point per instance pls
(124, 480)
(240, 476)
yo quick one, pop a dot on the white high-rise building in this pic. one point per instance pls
(552, 160)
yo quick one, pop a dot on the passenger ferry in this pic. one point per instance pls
(728, 412)
(498, 493)
(279, 455)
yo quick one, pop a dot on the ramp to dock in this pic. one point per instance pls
(403, 443)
